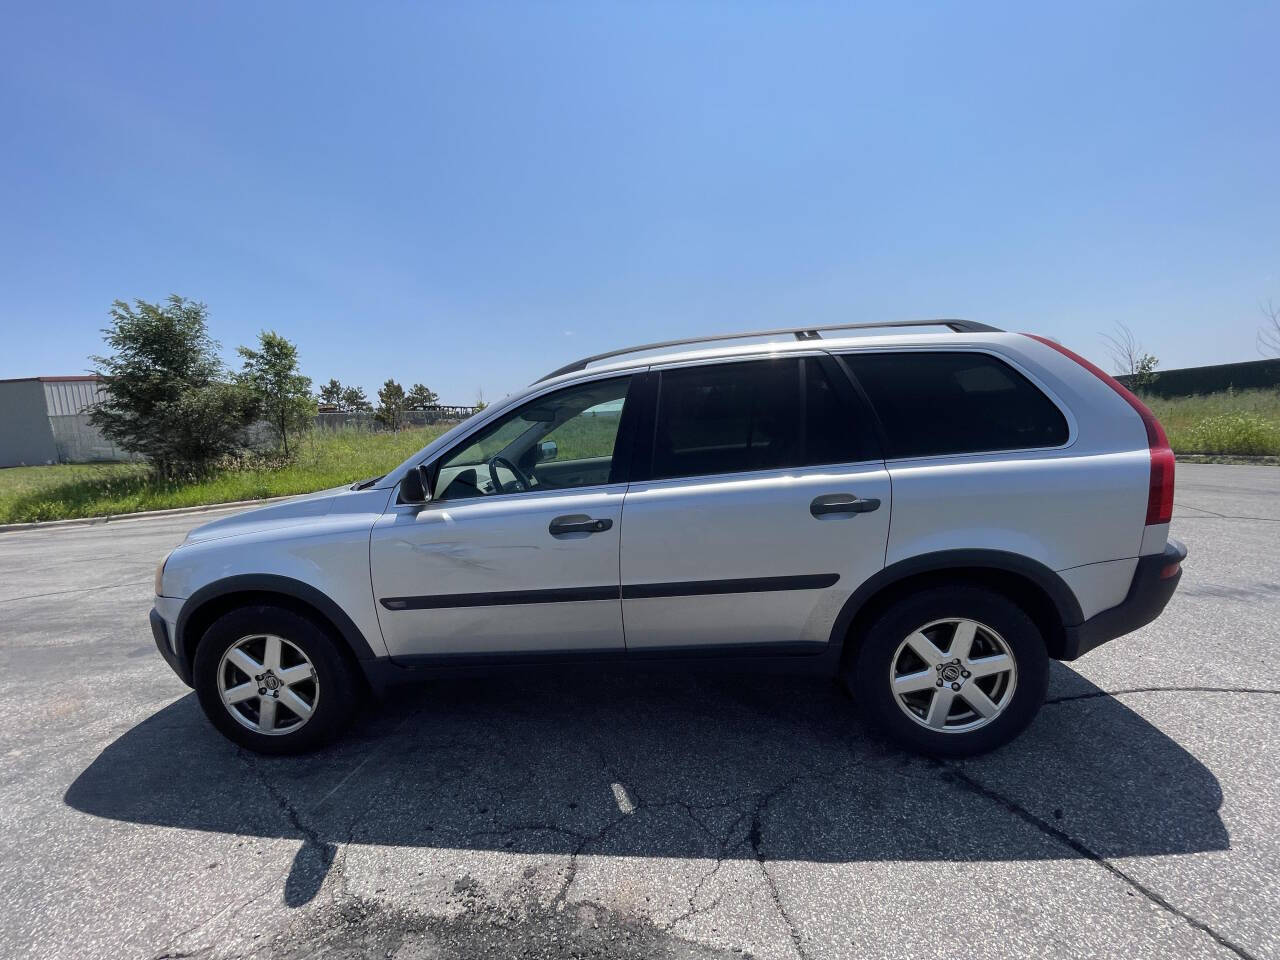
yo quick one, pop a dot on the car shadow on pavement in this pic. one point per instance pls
(667, 766)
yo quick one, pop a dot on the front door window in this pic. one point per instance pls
(558, 441)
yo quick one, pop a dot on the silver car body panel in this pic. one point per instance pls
(329, 552)
(488, 547)
(748, 526)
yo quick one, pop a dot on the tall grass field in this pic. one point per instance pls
(1233, 423)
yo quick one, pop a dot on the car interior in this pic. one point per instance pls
(562, 440)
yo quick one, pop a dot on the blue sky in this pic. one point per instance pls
(470, 195)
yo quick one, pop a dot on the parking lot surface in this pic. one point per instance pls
(643, 816)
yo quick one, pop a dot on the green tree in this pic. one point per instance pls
(167, 394)
(1132, 363)
(1144, 372)
(331, 394)
(419, 398)
(391, 404)
(354, 400)
(282, 392)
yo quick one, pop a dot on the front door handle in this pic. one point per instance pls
(842, 503)
(578, 523)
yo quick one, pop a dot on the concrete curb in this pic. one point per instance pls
(142, 515)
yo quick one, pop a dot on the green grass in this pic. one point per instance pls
(326, 458)
(1240, 422)
(586, 436)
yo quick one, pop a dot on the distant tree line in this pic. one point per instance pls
(172, 400)
(345, 399)
(393, 401)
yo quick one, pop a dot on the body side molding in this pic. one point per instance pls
(700, 588)
(500, 598)
(635, 591)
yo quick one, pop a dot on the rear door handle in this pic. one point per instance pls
(578, 523)
(842, 503)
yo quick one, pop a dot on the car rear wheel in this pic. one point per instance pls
(950, 671)
(273, 681)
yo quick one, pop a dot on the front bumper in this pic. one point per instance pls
(162, 632)
(1153, 584)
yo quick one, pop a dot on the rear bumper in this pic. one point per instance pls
(1148, 594)
(160, 631)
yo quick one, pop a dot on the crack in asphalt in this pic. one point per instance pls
(1095, 694)
(311, 840)
(561, 898)
(62, 593)
(755, 837)
(384, 740)
(694, 910)
(1219, 516)
(169, 953)
(288, 809)
(957, 774)
(726, 843)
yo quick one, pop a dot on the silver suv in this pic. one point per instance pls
(928, 516)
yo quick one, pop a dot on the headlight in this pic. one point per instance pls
(160, 574)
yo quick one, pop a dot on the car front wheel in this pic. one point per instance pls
(273, 681)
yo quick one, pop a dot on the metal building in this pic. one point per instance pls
(46, 420)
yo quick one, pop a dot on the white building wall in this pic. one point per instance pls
(26, 438)
(64, 398)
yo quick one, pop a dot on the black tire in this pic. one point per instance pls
(335, 679)
(868, 670)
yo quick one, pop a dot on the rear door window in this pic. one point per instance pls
(753, 415)
(963, 402)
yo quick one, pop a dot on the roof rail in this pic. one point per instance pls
(800, 333)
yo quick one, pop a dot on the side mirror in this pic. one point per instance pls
(415, 486)
(547, 450)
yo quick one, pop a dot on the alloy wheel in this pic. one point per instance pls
(953, 675)
(268, 684)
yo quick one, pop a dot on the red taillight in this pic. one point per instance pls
(1160, 499)
(1160, 496)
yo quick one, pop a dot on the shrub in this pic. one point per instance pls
(1245, 434)
(167, 396)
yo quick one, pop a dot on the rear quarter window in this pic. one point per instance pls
(944, 403)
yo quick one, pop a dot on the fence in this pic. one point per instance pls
(1248, 375)
(365, 420)
(79, 441)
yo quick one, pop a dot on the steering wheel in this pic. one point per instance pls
(521, 482)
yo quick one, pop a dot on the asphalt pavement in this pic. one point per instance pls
(643, 816)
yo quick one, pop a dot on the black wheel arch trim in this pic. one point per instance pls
(1151, 588)
(269, 583)
(1054, 587)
